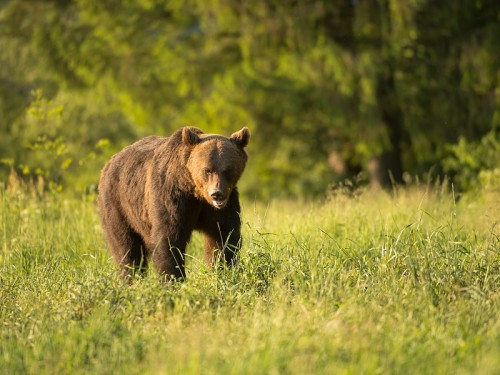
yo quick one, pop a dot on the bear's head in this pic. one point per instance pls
(215, 163)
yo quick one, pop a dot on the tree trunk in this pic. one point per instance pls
(387, 169)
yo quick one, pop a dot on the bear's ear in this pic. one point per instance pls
(241, 137)
(190, 136)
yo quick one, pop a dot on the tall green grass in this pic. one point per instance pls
(373, 284)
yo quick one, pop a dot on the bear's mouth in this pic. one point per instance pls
(219, 203)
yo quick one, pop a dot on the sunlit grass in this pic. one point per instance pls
(372, 284)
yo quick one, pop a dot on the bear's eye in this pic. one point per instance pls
(228, 173)
(206, 172)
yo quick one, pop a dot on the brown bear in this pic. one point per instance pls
(155, 192)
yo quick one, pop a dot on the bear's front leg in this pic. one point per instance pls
(171, 226)
(168, 259)
(223, 246)
(168, 248)
(222, 229)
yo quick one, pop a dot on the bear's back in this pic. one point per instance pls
(137, 153)
(147, 145)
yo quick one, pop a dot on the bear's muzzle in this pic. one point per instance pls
(219, 200)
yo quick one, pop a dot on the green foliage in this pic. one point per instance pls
(50, 153)
(476, 165)
(372, 284)
(50, 156)
(355, 79)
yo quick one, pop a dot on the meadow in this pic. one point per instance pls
(366, 284)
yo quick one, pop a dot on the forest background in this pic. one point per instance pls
(374, 91)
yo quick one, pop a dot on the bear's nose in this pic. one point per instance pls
(217, 195)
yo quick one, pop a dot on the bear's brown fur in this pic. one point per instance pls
(155, 192)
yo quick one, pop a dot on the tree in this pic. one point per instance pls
(384, 83)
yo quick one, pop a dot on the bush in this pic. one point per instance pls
(475, 165)
(50, 156)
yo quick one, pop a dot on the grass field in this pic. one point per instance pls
(408, 284)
